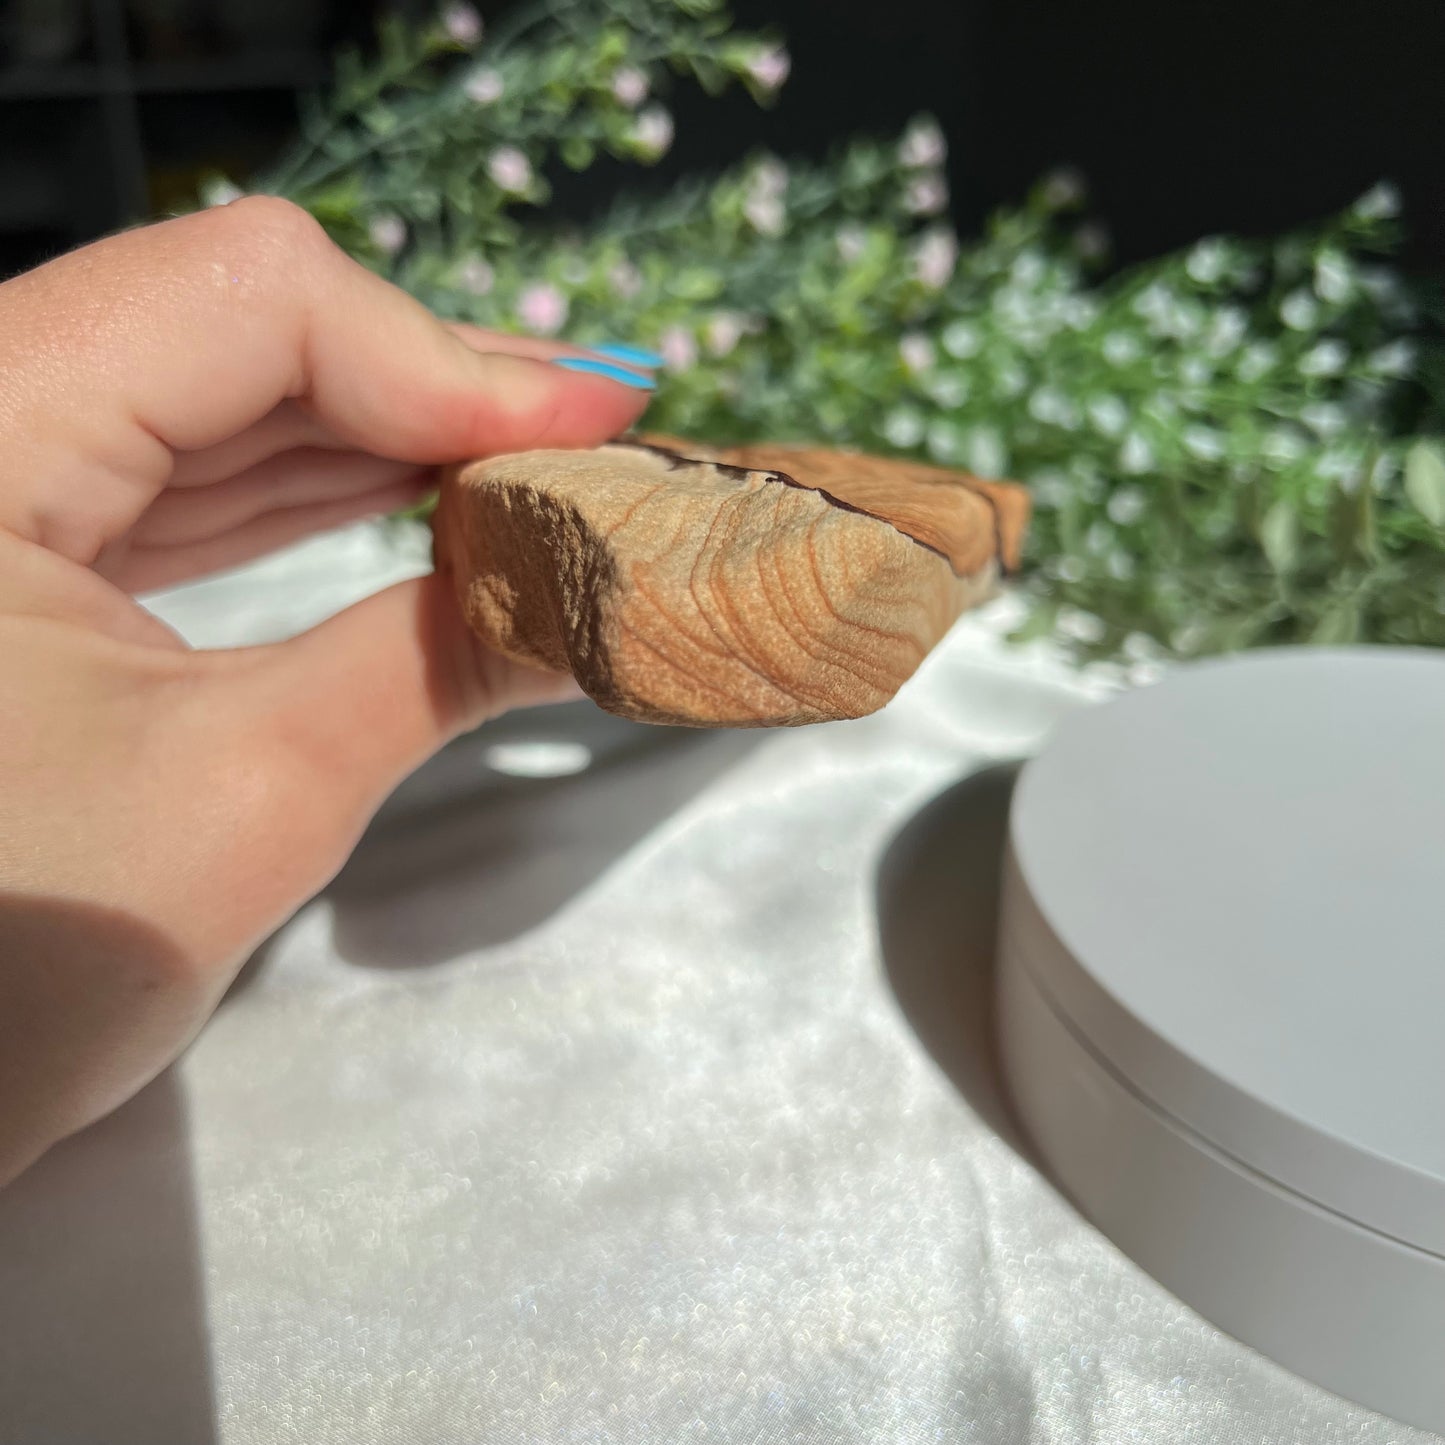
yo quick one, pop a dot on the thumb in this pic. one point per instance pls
(363, 699)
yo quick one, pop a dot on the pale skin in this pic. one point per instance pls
(175, 400)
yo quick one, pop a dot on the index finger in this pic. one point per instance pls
(179, 335)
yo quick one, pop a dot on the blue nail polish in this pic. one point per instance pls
(606, 368)
(632, 355)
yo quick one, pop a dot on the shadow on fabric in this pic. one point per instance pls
(103, 1329)
(467, 855)
(938, 895)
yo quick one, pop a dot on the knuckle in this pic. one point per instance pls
(270, 230)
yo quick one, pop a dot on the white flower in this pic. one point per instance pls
(1120, 348)
(935, 257)
(927, 194)
(1010, 379)
(945, 441)
(1063, 188)
(1379, 203)
(948, 388)
(1136, 455)
(1324, 418)
(1081, 626)
(1053, 408)
(221, 192)
(510, 170)
(723, 332)
(1256, 359)
(1282, 446)
(1206, 261)
(1397, 358)
(1140, 647)
(653, 131)
(916, 351)
(630, 87)
(1298, 310)
(770, 68)
(1201, 442)
(1325, 358)
(1126, 506)
(1339, 466)
(1194, 371)
(1108, 415)
(542, 308)
(678, 348)
(1334, 277)
(851, 241)
(765, 214)
(625, 280)
(769, 177)
(475, 275)
(1050, 489)
(903, 428)
(960, 340)
(483, 85)
(986, 455)
(462, 24)
(1226, 331)
(923, 146)
(1154, 302)
(388, 234)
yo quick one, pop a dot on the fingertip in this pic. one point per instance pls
(524, 404)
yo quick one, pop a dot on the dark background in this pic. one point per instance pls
(1187, 118)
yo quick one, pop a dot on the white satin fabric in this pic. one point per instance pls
(649, 1104)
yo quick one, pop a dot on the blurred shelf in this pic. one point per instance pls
(51, 82)
(162, 77)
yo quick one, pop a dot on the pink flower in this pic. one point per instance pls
(765, 214)
(916, 351)
(388, 234)
(934, 258)
(678, 348)
(1092, 241)
(923, 145)
(542, 309)
(625, 280)
(484, 85)
(476, 276)
(1063, 188)
(510, 169)
(852, 241)
(723, 332)
(630, 87)
(770, 68)
(927, 194)
(462, 24)
(769, 177)
(653, 131)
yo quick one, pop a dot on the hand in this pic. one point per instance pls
(173, 400)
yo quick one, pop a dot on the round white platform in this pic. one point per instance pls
(1222, 990)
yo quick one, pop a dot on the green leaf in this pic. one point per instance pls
(1339, 625)
(578, 153)
(1425, 480)
(1279, 536)
(1352, 520)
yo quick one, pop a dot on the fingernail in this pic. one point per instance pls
(606, 368)
(633, 355)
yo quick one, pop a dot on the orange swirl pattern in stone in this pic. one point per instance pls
(709, 592)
